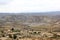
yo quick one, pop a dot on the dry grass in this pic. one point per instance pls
(38, 39)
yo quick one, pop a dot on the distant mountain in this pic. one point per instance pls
(36, 14)
(42, 13)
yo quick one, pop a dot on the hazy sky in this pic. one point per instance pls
(17, 6)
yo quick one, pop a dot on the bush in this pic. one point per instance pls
(14, 36)
(3, 35)
(12, 29)
(10, 36)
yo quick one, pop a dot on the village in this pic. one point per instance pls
(9, 33)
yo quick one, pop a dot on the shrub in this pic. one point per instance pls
(10, 36)
(14, 36)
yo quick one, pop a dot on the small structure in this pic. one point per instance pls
(57, 33)
(46, 34)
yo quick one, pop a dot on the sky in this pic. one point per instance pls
(21, 6)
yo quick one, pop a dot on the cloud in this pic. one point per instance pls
(3, 2)
(31, 6)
